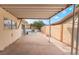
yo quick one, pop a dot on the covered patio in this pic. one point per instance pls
(51, 40)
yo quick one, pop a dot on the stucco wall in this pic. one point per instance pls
(55, 31)
(65, 35)
(8, 36)
(67, 32)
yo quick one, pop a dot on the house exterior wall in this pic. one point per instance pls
(8, 36)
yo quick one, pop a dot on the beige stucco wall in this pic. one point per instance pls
(55, 31)
(57, 34)
(67, 31)
(8, 36)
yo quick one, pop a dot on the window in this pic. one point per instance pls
(9, 24)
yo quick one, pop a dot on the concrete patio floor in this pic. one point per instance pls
(32, 44)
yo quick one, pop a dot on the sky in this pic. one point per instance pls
(56, 18)
(61, 15)
(30, 21)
